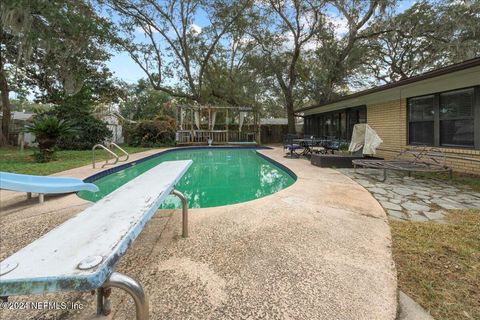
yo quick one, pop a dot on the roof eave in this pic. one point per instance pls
(424, 76)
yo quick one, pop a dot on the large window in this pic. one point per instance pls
(445, 119)
(336, 124)
(456, 118)
(421, 114)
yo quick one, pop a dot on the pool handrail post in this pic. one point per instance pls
(106, 161)
(122, 150)
(129, 285)
(184, 212)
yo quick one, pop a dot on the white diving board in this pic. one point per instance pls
(80, 254)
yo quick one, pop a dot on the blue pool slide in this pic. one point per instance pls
(43, 184)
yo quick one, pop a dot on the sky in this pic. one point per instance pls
(127, 70)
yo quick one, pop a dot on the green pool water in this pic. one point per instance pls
(217, 177)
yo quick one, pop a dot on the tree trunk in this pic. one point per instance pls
(5, 105)
(290, 116)
(288, 96)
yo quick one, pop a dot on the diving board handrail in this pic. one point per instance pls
(122, 150)
(106, 161)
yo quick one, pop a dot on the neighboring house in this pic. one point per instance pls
(273, 130)
(114, 120)
(18, 120)
(114, 125)
(440, 108)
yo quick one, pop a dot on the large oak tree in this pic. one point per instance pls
(50, 46)
(176, 52)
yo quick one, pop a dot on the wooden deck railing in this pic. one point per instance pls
(218, 136)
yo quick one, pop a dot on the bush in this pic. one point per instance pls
(90, 132)
(159, 132)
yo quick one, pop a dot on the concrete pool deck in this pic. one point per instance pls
(319, 249)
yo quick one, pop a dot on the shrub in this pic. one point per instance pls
(47, 130)
(343, 146)
(90, 132)
(159, 132)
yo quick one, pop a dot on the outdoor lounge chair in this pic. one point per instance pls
(41, 185)
(412, 160)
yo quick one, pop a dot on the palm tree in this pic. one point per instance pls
(47, 130)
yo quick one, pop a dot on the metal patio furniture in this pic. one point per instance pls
(311, 145)
(331, 145)
(292, 148)
(420, 159)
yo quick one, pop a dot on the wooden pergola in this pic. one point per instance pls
(197, 124)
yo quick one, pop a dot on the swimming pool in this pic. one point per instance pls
(218, 176)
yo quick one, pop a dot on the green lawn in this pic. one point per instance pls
(12, 160)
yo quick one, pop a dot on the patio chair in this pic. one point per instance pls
(290, 147)
(331, 146)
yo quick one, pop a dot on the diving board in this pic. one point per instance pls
(81, 253)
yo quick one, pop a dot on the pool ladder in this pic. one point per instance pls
(108, 150)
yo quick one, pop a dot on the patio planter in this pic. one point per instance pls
(340, 160)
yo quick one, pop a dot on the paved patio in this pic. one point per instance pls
(320, 249)
(408, 198)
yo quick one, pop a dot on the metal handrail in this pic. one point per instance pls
(184, 211)
(127, 284)
(106, 161)
(121, 149)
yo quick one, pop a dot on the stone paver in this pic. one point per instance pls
(437, 215)
(377, 190)
(390, 205)
(408, 198)
(397, 214)
(403, 191)
(415, 206)
(448, 204)
(410, 310)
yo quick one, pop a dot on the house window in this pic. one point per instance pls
(445, 119)
(421, 117)
(335, 124)
(456, 118)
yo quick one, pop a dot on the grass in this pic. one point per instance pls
(439, 264)
(459, 179)
(13, 160)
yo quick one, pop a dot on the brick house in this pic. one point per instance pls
(440, 108)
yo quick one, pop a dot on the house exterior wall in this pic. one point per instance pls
(389, 120)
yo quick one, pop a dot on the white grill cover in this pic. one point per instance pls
(364, 136)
